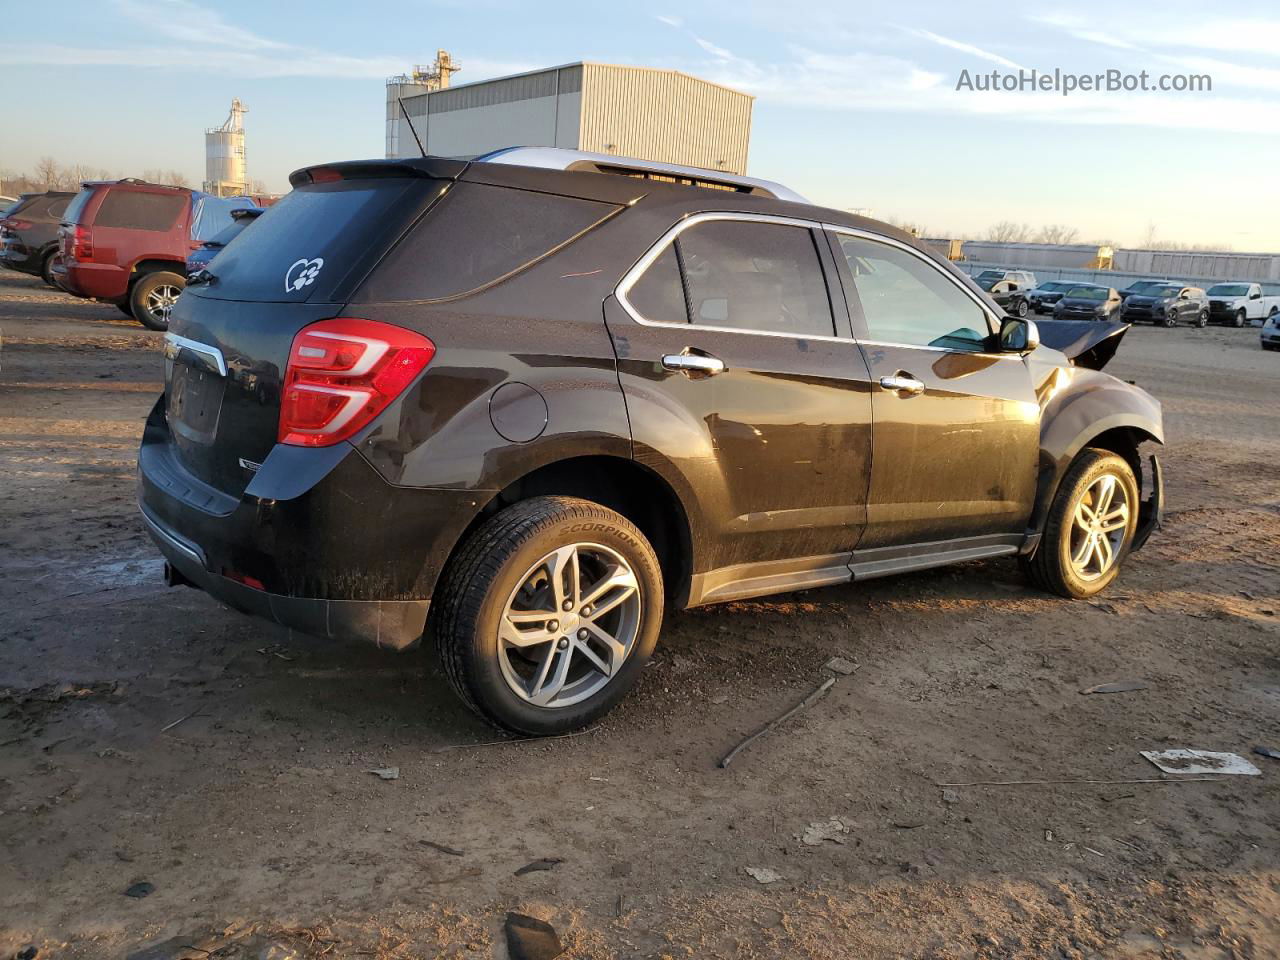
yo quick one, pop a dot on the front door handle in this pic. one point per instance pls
(693, 363)
(903, 383)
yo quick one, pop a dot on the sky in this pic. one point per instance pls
(856, 105)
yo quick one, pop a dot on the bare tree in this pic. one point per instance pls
(1058, 233)
(1006, 231)
(1149, 238)
(47, 172)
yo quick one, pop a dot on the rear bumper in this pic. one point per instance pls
(18, 256)
(318, 541)
(94, 281)
(396, 624)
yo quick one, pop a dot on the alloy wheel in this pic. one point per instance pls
(1099, 526)
(570, 625)
(160, 301)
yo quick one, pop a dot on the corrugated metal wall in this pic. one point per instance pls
(665, 116)
(628, 111)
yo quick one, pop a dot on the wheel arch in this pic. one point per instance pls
(623, 485)
(145, 265)
(1121, 433)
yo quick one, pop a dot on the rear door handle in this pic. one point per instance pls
(901, 383)
(693, 363)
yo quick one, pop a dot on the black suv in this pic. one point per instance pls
(29, 233)
(525, 409)
(1167, 305)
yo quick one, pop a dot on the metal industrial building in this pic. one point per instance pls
(661, 115)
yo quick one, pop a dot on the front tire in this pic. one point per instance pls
(1202, 321)
(1240, 318)
(153, 296)
(548, 615)
(1090, 527)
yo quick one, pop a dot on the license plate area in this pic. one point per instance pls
(196, 378)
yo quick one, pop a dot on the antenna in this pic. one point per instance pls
(405, 112)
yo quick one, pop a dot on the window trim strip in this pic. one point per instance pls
(646, 260)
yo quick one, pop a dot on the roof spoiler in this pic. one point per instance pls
(431, 168)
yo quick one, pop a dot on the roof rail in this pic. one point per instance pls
(558, 158)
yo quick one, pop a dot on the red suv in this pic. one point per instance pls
(126, 242)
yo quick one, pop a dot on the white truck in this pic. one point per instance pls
(1239, 303)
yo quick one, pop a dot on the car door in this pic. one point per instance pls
(738, 379)
(956, 440)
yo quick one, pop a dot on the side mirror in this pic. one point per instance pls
(1255, 295)
(1018, 335)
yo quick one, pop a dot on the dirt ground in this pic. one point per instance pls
(147, 734)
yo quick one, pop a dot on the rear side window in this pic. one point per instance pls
(139, 210)
(306, 246)
(478, 234)
(749, 275)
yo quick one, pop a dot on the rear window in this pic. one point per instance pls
(306, 246)
(140, 210)
(476, 235)
(76, 207)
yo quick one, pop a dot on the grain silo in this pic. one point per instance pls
(652, 114)
(224, 165)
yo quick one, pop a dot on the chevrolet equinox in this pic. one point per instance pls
(524, 403)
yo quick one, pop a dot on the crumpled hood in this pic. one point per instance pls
(1086, 343)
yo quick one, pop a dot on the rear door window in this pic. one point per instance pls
(659, 293)
(318, 239)
(476, 235)
(749, 275)
(140, 210)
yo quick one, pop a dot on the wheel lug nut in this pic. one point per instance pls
(553, 625)
(562, 643)
(567, 605)
(582, 634)
(586, 611)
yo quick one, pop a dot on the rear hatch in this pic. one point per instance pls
(229, 338)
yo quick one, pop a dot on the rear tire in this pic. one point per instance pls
(153, 296)
(1021, 308)
(46, 268)
(1075, 558)
(1202, 320)
(500, 598)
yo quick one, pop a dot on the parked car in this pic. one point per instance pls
(7, 203)
(1270, 335)
(203, 254)
(1167, 306)
(1025, 279)
(29, 233)
(1011, 299)
(1239, 303)
(126, 242)
(1142, 286)
(1044, 296)
(1088, 302)
(537, 401)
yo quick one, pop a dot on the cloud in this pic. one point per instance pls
(873, 82)
(963, 47)
(669, 21)
(1234, 34)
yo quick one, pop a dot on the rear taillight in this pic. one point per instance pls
(12, 223)
(81, 243)
(344, 372)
